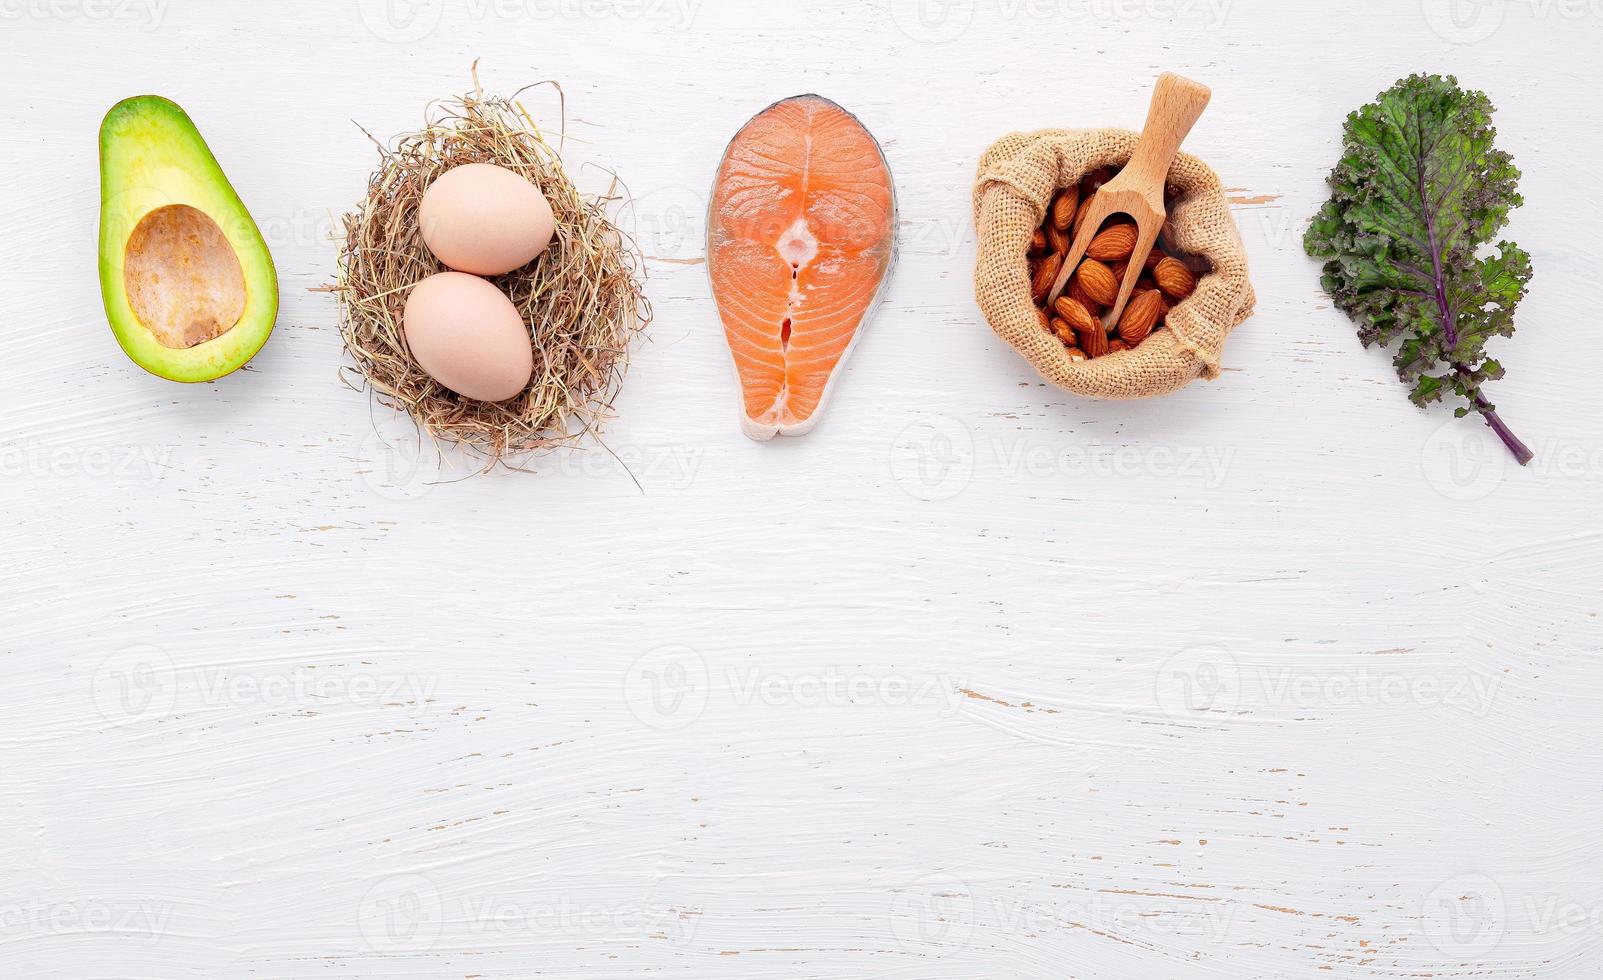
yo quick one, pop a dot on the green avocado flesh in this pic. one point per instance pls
(190, 289)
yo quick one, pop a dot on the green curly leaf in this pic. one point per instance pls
(1416, 201)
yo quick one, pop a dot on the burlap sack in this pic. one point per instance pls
(1018, 177)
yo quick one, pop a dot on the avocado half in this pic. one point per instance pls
(190, 289)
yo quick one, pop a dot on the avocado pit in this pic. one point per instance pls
(183, 279)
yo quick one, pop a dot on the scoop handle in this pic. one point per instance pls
(1177, 104)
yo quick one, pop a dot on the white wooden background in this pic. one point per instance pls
(1278, 677)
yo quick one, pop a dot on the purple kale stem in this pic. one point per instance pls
(1522, 452)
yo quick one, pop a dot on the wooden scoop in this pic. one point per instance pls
(1138, 190)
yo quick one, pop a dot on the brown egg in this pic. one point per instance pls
(485, 219)
(469, 337)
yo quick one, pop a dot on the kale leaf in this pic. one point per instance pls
(1418, 196)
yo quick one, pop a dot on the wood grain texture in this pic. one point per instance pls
(1278, 677)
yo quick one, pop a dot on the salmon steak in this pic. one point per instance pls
(801, 235)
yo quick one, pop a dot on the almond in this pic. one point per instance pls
(1094, 341)
(1116, 345)
(1079, 295)
(1140, 317)
(1080, 215)
(1065, 208)
(1098, 282)
(1076, 354)
(1057, 239)
(1176, 281)
(1038, 242)
(1046, 277)
(1153, 258)
(1064, 331)
(1046, 322)
(1113, 244)
(1075, 313)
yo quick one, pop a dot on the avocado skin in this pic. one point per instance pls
(151, 156)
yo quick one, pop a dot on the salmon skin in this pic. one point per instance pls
(801, 238)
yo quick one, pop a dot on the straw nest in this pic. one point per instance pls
(582, 299)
